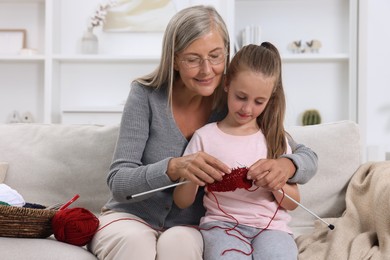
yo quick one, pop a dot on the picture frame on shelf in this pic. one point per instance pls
(140, 16)
(12, 41)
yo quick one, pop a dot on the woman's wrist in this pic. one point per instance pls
(171, 170)
(289, 165)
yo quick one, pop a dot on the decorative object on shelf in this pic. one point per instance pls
(12, 41)
(295, 46)
(28, 52)
(314, 45)
(311, 117)
(14, 117)
(89, 41)
(27, 117)
(139, 16)
(100, 14)
(251, 34)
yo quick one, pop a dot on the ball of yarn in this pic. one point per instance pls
(74, 226)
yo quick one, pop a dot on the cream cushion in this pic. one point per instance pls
(337, 145)
(50, 163)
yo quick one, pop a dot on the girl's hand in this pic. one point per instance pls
(271, 174)
(200, 168)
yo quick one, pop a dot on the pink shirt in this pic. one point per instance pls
(252, 208)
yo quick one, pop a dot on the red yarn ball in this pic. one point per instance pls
(74, 226)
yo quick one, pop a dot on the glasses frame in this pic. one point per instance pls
(203, 60)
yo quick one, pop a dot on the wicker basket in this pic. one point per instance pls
(25, 222)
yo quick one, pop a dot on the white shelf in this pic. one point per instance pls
(5, 58)
(315, 57)
(106, 58)
(113, 109)
(22, 1)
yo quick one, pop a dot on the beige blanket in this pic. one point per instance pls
(363, 231)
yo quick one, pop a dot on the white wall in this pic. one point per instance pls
(375, 98)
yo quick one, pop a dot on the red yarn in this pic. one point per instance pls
(74, 226)
(237, 179)
(230, 182)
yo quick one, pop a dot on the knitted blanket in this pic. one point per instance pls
(363, 231)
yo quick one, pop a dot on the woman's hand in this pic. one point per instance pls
(200, 168)
(271, 174)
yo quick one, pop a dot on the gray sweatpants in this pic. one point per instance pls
(269, 245)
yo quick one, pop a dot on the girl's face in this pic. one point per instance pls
(202, 63)
(248, 95)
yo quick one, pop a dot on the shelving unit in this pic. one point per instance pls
(21, 78)
(326, 80)
(61, 85)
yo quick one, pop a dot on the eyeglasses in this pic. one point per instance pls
(194, 62)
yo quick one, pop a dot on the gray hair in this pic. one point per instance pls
(185, 27)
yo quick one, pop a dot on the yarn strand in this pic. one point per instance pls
(234, 228)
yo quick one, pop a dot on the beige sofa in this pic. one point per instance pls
(48, 164)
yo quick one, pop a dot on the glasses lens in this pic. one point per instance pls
(197, 62)
(217, 59)
(193, 62)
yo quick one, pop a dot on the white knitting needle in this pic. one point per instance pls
(154, 190)
(330, 226)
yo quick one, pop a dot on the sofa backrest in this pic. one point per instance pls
(338, 148)
(50, 163)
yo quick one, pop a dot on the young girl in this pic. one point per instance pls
(246, 222)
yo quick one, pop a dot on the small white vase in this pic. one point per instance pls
(89, 42)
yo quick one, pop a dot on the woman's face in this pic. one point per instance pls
(202, 63)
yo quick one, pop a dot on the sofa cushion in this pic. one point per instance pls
(337, 145)
(41, 249)
(50, 163)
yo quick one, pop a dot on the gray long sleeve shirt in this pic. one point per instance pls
(148, 139)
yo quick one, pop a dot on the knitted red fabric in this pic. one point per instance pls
(230, 182)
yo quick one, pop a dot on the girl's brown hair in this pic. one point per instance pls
(265, 59)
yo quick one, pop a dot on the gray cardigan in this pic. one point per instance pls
(148, 139)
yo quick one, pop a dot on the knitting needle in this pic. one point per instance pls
(154, 190)
(69, 202)
(330, 226)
